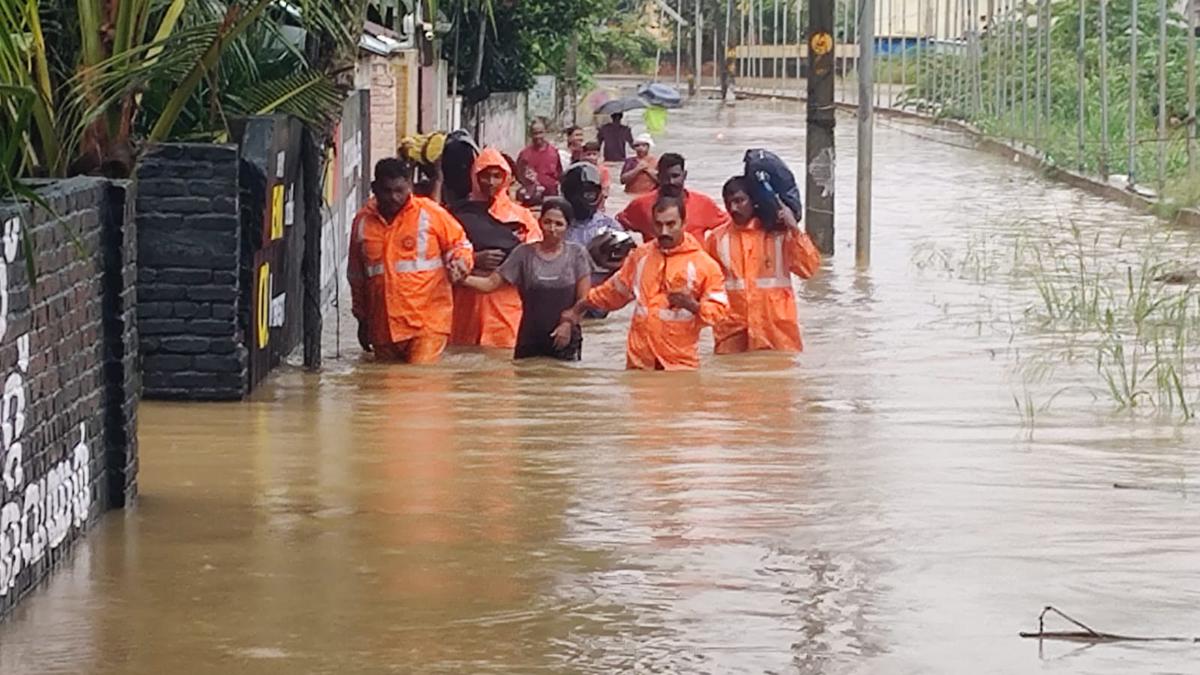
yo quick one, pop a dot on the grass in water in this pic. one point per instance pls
(1125, 301)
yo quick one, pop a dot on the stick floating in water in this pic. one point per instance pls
(1088, 634)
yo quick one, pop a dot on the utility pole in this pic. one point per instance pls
(571, 65)
(697, 80)
(678, 45)
(819, 153)
(866, 134)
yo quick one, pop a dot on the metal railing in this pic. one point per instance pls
(1081, 83)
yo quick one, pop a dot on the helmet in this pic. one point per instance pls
(581, 187)
(609, 248)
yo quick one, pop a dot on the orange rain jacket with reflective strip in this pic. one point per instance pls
(661, 337)
(758, 268)
(491, 319)
(397, 270)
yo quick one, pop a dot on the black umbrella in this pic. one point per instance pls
(620, 105)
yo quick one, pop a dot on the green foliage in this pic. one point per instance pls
(105, 75)
(620, 44)
(1118, 306)
(523, 39)
(1007, 102)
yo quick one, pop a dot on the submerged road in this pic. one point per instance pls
(875, 505)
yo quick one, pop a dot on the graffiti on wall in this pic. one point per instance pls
(36, 513)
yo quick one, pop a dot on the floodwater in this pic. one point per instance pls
(876, 505)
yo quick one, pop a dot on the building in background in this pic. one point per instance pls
(408, 81)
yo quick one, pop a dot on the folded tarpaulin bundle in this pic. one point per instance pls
(769, 179)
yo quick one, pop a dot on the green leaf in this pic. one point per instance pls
(310, 96)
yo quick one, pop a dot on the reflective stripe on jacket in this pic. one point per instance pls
(758, 268)
(661, 337)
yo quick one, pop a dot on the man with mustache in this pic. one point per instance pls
(677, 289)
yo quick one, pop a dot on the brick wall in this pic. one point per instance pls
(68, 442)
(377, 75)
(189, 248)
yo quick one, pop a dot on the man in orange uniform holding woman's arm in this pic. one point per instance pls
(677, 289)
(405, 252)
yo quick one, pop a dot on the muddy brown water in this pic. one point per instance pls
(875, 505)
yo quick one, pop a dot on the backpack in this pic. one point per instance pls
(768, 177)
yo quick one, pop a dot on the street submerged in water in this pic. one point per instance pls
(874, 505)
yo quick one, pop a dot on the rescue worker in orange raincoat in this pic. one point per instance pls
(758, 266)
(495, 225)
(405, 252)
(703, 212)
(677, 289)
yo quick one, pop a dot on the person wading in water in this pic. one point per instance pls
(758, 265)
(551, 276)
(614, 137)
(703, 212)
(405, 251)
(639, 174)
(496, 226)
(676, 288)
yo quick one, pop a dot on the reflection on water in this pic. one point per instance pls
(874, 505)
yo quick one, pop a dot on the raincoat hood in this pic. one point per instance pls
(502, 207)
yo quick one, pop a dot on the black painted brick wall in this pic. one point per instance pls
(75, 454)
(189, 248)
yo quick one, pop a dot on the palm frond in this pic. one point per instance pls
(310, 96)
(11, 188)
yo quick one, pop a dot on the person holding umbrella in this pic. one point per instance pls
(614, 137)
(639, 175)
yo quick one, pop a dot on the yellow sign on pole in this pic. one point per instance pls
(277, 195)
(822, 43)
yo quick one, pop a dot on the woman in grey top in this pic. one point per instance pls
(551, 275)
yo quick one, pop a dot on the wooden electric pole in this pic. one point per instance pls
(819, 154)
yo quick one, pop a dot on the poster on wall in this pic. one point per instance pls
(541, 97)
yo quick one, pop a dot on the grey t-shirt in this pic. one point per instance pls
(526, 269)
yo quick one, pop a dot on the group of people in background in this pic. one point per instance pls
(515, 254)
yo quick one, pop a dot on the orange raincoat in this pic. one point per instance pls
(703, 214)
(491, 319)
(397, 270)
(661, 337)
(758, 266)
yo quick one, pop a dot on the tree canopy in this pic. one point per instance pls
(521, 38)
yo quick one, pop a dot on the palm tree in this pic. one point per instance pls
(124, 70)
